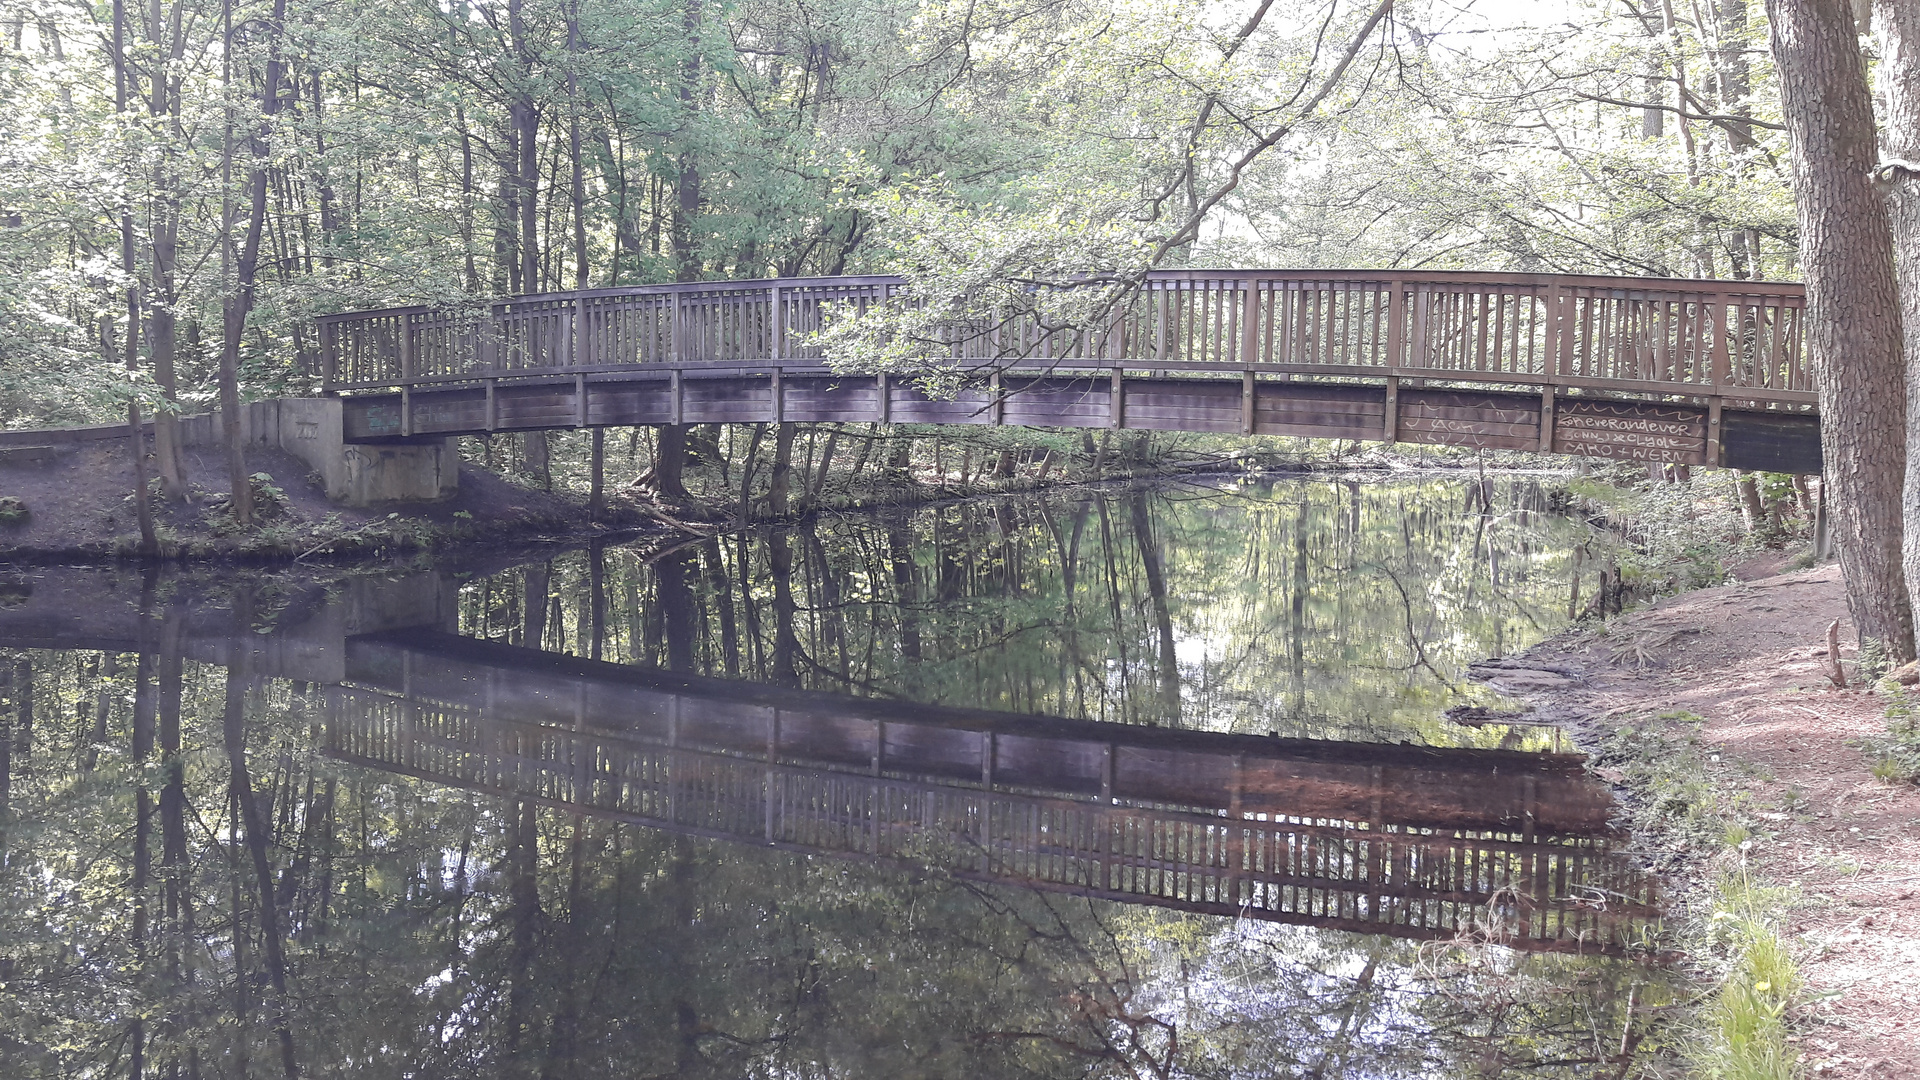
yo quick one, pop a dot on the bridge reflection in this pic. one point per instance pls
(1413, 842)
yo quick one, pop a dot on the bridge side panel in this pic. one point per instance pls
(831, 400)
(1771, 442)
(1456, 418)
(911, 406)
(630, 402)
(1183, 404)
(1319, 411)
(1632, 431)
(1059, 402)
(719, 401)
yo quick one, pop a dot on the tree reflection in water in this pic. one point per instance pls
(193, 889)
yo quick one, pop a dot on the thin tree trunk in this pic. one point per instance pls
(166, 40)
(136, 427)
(234, 311)
(596, 498)
(782, 470)
(1853, 321)
(254, 829)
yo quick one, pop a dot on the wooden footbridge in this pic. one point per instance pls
(1660, 370)
(1414, 842)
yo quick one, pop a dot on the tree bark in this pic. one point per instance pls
(782, 470)
(1853, 325)
(1899, 23)
(234, 311)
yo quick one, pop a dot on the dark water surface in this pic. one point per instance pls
(1136, 782)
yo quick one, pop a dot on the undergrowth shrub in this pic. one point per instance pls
(1667, 535)
(1896, 755)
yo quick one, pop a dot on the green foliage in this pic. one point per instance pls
(1896, 755)
(1873, 661)
(1675, 796)
(1667, 535)
(1745, 1030)
(13, 510)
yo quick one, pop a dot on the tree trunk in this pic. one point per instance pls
(164, 216)
(669, 465)
(782, 471)
(1169, 662)
(686, 206)
(1853, 328)
(596, 498)
(136, 427)
(236, 306)
(254, 828)
(1899, 22)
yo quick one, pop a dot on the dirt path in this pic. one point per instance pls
(1749, 658)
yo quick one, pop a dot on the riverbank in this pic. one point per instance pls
(76, 505)
(1713, 713)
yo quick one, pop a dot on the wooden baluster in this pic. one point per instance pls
(1250, 325)
(776, 324)
(582, 334)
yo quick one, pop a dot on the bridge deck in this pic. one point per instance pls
(1695, 372)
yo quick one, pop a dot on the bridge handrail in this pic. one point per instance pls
(1674, 335)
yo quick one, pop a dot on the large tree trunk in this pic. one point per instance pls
(1853, 326)
(1899, 22)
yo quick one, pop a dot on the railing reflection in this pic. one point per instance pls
(697, 760)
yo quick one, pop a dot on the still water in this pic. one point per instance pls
(1128, 782)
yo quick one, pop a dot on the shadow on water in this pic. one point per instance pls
(1142, 782)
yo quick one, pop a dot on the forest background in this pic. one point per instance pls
(166, 162)
(185, 185)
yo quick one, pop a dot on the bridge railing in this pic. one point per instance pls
(1739, 339)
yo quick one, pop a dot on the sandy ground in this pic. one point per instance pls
(1749, 658)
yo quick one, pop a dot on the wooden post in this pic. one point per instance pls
(1250, 325)
(883, 399)
(778, 402)
(582, 346)
(1550, 363)
(1715, 314)
(1392, 418)
(1396, 324)
(1246, 403)
(493, 405)
(406, 411)
(329, 356)
(408, 361)
(1236, 830)
(1117, 404)
(1546, 419)
(675, 399)
(596, 498)
(674, 333)
(1160, 327)
(776, 324)
(988, 748)
(1714, 455)
(1106, 773)
(996, 404)
(580, 399)
(1822, 532)
(1417, 356)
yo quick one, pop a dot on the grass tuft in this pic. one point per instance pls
(1744, 1034)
